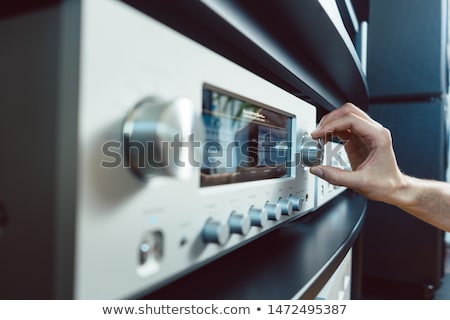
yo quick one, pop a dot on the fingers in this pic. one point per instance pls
(348, 111)
(369, 149)
(336, 176)
(347, 108)
(346, 124)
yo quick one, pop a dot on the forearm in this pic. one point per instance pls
(427, 200)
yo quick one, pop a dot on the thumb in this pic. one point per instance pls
(335, 175)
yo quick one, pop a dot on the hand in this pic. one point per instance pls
(375, 173)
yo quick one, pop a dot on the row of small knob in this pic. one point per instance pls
(216, 232)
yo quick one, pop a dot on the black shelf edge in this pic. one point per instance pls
(319, 67)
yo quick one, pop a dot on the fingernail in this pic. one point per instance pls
(318, 127)
(317, 171)
(314, 132)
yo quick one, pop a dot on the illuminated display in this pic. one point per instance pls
(244, 140)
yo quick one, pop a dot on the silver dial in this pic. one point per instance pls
(273, 211)
(286, 206)
(159, 138)
(239, 223)
(215, 232)
(297, 202)
(258, 217)
(311, 150)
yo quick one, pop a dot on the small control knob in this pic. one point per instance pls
(286, 206)
(258, 217)
(273, 211)
(215, 232)
(239, 223)
(311, 151)
(297, 202)
(159, 138)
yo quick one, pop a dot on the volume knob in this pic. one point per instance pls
(311, 151)
(159, 138)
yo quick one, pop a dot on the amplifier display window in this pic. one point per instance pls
(244, 140)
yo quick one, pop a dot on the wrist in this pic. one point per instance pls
(403, 194)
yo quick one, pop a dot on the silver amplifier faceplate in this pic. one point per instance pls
(135, 234)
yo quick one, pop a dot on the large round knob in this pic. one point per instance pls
(159, 138)
(311, 150)
(239, 223)
(215, 232)
(273, 211)
(258, 217)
